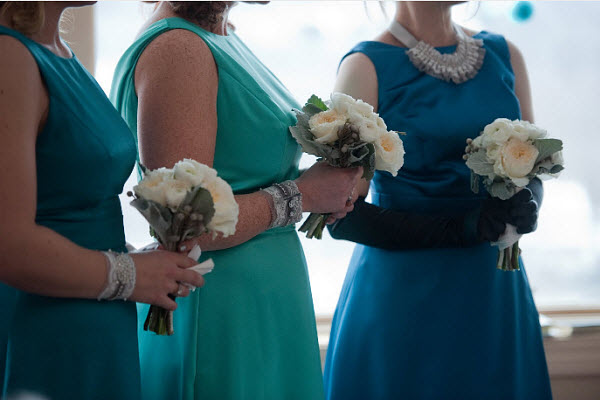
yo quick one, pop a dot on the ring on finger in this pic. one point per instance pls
(179, 290)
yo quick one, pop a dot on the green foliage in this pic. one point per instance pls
(201, 202)
(478, 163)
(547, 147)
(159, 217)
(501, 189)
(315, 100)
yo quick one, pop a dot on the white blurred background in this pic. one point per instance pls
(303, 42)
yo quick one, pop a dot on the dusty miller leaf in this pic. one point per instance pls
(501, 190)
(201, 202)
(158, 216)
(547, 147)
(478, 163)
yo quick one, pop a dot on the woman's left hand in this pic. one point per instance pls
(523, 211)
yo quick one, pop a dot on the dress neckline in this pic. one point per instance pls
(452, 46)
(212, 34)
(41, 46)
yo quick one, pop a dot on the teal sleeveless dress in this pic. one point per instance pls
(66, 348)
(436, 323)
(250, 332)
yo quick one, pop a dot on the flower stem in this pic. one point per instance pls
(314, 225)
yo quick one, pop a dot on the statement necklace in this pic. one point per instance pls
(457, 67)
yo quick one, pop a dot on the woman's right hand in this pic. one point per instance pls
(326, 189)
(160, 273)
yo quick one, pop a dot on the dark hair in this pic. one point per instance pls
(204, 13)
(26, 17)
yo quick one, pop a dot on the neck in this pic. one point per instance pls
(49, 34)
(164, 10)
(429, 21)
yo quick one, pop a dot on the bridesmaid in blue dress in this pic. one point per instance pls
(66, 155)
(440, 323)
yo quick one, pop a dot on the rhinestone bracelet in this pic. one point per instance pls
(120, 280)
(287, 203)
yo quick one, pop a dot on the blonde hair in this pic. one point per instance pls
(26, 17)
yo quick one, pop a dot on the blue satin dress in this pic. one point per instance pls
(436, 323)
(62, 348)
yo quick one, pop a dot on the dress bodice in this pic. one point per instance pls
(84, 154)
(437, 117)
(254, 110)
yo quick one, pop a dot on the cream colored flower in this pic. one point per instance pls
(192, 172)
(516, 160)
(341, 102)
(325, 125)
(226, 208)
(381, 123)
(175, 192)
(152, 186)
(502, 129)
(389, 153)
(368, 127)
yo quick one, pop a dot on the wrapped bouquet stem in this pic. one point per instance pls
(345, 133)
(179, 204)
(507, 156)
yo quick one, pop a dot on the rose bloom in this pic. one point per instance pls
(389, 153)
(192, 172)
(368, 128)
(152, 188)
(516, 160)
(226, 208)
(325, 125)
(502, 129)
(341, 102)
(175, 192)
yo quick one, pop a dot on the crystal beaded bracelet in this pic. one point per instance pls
(287, 203)
(121, 275)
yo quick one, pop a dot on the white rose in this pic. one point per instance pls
(325, 125)
(531, 131)
(226, 208)
(192, 172)
(175, 192)
(381, 123)
(516, 159)
(341, 102)
(362, 108)
(368, 128)
(152, 186)
(502, 129)
(389, 153)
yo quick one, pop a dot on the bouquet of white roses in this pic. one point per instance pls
(507, 155)
(345, 133)
(179, 204)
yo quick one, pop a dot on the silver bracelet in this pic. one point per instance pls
(287, 203)
(120, 280)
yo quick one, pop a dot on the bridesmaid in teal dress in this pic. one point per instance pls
(434, 323)
(66, 155)
(191, 88)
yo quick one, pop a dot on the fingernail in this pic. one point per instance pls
(183, 248)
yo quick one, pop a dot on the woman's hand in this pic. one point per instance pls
(326, 189)
(161, 273)
(521, 210)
